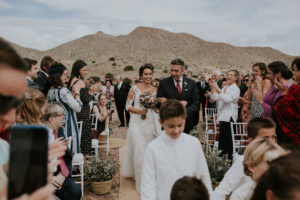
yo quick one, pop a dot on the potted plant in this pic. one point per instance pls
(217, 165)
(100, 173)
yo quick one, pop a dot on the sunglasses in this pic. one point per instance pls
(9, 102)
(246, 80)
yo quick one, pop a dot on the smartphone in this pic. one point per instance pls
(28, 165)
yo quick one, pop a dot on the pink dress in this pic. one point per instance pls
(246, 109)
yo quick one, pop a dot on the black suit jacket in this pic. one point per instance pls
(41, 80)
(189, 93)
(121, 95)
(202, 91)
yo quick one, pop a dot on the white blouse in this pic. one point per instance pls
(166, 160)
(227, 103)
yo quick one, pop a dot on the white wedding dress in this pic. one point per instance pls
(140, 133)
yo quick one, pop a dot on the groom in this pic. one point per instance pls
(181, 88)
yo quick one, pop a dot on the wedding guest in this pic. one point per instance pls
(257, 156)
(181, 88)
(235, 177)
(189, 188)
(203, 88)
(108, 90)
(189, 74)
(121, 92)
(227, 99)
(41, 79)
(276, 71)
(281, 181)
(216, 76)
(245, 102)
(287, 109)
(78, 76)
(259, 84)
(224, 82)
(102, 112)
(172, 155)
(57, 91)
(65, 186)
(32, 70)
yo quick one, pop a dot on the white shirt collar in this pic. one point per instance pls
(181, 80)
(29, 78)
(168, 139)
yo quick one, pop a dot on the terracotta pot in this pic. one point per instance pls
(101, 187)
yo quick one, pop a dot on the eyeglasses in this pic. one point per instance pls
(246, 80)
(9, 102)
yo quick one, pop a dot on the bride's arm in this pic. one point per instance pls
(129, 102)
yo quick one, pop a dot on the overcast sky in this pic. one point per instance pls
(44, 24)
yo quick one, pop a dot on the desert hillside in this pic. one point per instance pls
(154, 46)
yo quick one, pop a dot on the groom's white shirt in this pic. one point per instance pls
(166, 160)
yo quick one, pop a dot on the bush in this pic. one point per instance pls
(165, 70)
(128, 68)
(114, 64)
(127, 80)
(109, 76)
(112, 59)
(93, 61)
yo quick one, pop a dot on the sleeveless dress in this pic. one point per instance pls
(140, 133)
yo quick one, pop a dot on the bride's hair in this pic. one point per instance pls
(170, 109)
(145, 66)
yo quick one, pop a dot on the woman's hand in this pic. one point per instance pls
(143, 112)
(280, 86)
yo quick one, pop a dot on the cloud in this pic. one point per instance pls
(4, 4)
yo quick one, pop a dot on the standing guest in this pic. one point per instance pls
(65, 186)
(287, 109)
(281, 181)
(189, 74)
(243, 87)
(259, 84)
(121, 92)
(276, 71)
(32, 71)
(245, 102)
(224, 83)
(216, 76)
(189, 188)
(172, 155)
(235, 181)
(108, 90)
(181, 88)
(57, 91)
(203, 88)
(227, 99)
(102, 112)
(41, 79)
(78, 75)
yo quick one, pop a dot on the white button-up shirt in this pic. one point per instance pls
(227, 103)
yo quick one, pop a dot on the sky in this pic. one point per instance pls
(45, 24)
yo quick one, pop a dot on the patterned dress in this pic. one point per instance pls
(84, 116)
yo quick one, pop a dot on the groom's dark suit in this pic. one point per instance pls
(189, 93)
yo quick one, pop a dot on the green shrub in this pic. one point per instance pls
(109, 76)
(127, 80)
(128, 68)
(114, 64)
(165, 70)
(112, 59)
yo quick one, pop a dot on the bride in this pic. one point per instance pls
(140, 131)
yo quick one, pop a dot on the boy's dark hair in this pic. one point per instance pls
(189, 188)
(170, 109)
(46, 62)
(258, 123)
(29, 62)
(177, 61)
(9, 57)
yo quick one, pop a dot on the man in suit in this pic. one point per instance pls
(121, 92)
(32, 70)
(203, 87)
(41, 79)
(181, 88)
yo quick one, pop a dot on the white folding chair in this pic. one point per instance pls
(106, 133)
(79, 126)
(239, 138)
(94, 124)
(217, 130)
(209, 128)
(209, 116)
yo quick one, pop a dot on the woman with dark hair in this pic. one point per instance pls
(246, 102)
(78, 75)
(56, 91)
(286, 110)
(277, 71)
(281, 181)
(259, 84)
(141, 131)
(108, 90)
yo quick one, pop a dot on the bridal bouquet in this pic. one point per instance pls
(149, 102)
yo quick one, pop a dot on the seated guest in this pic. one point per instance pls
(189, 188)
(172, 155)
(235, 178)
(102, 112)
(257, 155)
(281, 181)
(41, 79)
(62, 180)
(32, 72)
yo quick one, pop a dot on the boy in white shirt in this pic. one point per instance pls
(172, 155)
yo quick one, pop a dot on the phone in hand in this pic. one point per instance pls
(28, 165)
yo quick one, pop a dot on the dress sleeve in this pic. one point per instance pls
(148, 186)
(67, 97)
(130, 98)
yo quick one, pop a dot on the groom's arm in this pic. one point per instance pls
(160, 90)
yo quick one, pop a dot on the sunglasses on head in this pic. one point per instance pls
(9, 102)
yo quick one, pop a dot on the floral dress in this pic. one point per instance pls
(246, 109)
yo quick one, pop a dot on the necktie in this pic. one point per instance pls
(178, 86)
(62, 165)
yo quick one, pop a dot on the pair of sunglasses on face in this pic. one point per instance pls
(9, 102)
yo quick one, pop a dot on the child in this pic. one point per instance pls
(189, 188)
(172, 155)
